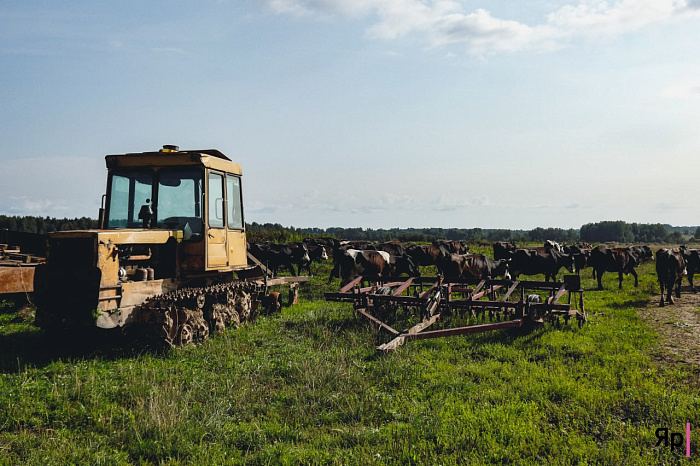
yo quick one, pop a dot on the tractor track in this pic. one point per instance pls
(190, 315)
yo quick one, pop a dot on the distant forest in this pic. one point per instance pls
(617, 231)
(45, 225)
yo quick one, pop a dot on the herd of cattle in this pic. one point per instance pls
(452, 259)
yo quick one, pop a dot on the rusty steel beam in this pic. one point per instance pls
(415, 330)
(408, 300)
(16, 279)
(465, 330)
(403, 286)
(555, 299)
(510, 290)
(350, 285)
(376, 321)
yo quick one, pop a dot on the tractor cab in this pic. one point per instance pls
(197, 193)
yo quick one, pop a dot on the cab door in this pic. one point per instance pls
(236, 226)
(216, 237)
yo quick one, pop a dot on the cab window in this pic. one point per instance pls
(235, 206)
(130, 192)
(215, 200)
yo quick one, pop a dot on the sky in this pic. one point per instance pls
(364, 113)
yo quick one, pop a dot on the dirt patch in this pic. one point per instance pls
(678, 327)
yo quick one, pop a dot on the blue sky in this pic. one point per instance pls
(380, 114)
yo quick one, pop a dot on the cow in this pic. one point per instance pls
(453, 265)
(317, 253)
(403, 264)
(580, 253)
(274, 256)
(474, 266)
(339, 249)
(539, 261)
(692, 264)
(427, 254)
(670, 268)
(642, 253)
(550, 244)
(502, 249)
(621, 260)
(355, 262)
(395, 248)
(452, 246)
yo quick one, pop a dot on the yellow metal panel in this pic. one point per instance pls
(168, 159)
(237, 248)
(217, 256)
(131, 236)
(108, 262)
(139, 236)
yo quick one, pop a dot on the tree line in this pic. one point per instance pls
(618, 231)
(43, 225)
(624, 232)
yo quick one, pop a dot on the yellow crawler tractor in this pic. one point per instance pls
(169, 258)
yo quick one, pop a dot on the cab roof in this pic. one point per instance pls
(171, 155)
(162, 152)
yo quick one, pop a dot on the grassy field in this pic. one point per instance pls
(307, 387)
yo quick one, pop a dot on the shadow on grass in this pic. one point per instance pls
(632, 302)
(11, 303)
(336, 323)
(31, 346)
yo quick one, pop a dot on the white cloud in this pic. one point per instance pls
(595, 17)
(445, 22)
(26, 205)
(689, 89)
(321, 7)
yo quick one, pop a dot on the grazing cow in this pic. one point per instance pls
(452, 265)
(550, 244)
(580, 253)
(670, 268)
(502, 250)
(356, 262)
(300, 254)
(403, 264)
(474, 266)
(452, 246)
(621, 260)
(317, 253)
(339, 260)
(359, 244)
(427, 254)
(642, 253)
(692, 264)
(395, 248)
(275, 256)
(539, 261)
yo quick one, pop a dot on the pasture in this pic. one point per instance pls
(307, 387)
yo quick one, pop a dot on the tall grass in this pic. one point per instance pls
(307, 387)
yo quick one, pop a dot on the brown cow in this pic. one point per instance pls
(502, 250)
(621, 260)
(547, 261)
(692, 264)
(355, 262)
(427, 254)
(670, 268)
(474, 266)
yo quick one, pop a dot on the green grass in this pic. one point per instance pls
(307, 386)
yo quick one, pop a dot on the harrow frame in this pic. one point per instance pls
(374, 298)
